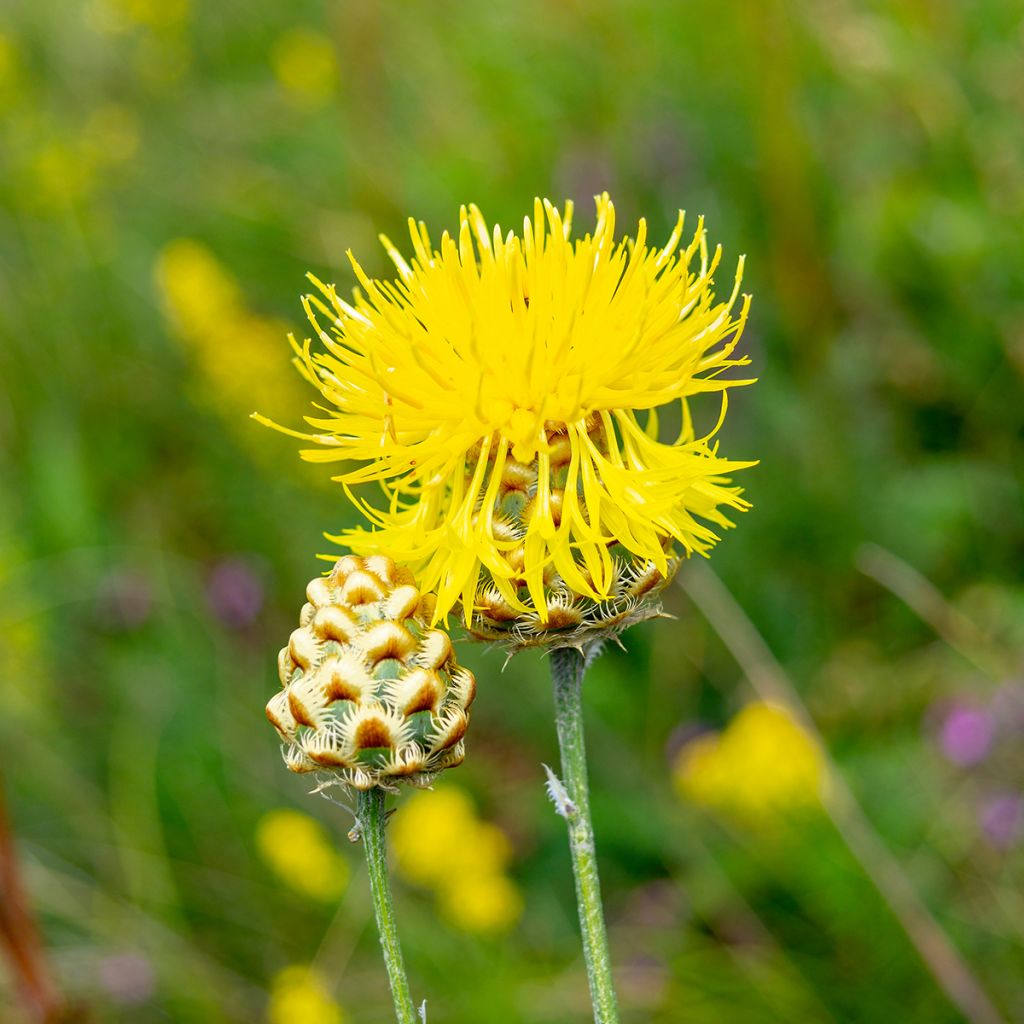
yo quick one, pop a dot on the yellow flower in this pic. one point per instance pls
(298, 849)
(298, 995)
(482, 904)
(305, 65)
(441, 844)
(436, 836)
(236, 353)
(764, 764)
(198, 290)
(505, 394)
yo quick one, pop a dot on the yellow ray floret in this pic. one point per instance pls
(495, 351)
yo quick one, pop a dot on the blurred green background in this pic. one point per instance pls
(169, 170)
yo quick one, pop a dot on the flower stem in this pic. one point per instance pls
(372, 818)
(567, 668)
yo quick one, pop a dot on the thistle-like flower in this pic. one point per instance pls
(371, 693)
(505, 394)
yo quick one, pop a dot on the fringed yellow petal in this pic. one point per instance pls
(492, 390)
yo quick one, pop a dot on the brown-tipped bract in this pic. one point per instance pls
(371, 693)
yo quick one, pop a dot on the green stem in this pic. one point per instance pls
(371, 819)
(567, 668)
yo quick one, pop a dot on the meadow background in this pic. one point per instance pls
(169, 170)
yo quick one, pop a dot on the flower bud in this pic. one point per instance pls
(371, 693)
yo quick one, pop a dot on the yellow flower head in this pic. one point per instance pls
(305, 65)
(440, 843)
(299, 849)
(483, 904)
(504, 392)
(299, 995)
(438, 839)
(205, 303)
(762, 766)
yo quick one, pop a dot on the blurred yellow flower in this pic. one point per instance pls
(298, 848)
(481, 904)
(236, 353)
(762, 765)
(504, 391)
(198, 290)
(440, 843)
(437, 835)
(304, 63)
(299, 995)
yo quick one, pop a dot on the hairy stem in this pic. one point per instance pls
(567, 668)
(372, 818)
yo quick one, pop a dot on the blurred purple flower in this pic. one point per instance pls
(1001, 817)
(128, 978)
(124, 599)
(235, 592)
(966, 735)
